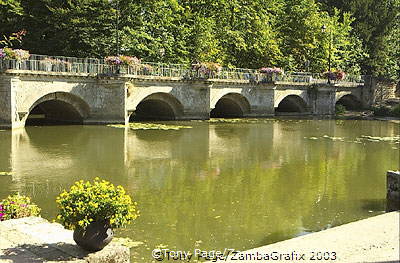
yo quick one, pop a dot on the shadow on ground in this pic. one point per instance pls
(42, 253)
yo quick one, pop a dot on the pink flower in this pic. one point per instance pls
(271, 70)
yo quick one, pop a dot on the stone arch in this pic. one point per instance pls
(230, 105)
(349, 101)
(292, 104)
(58, 107)
(158, 106)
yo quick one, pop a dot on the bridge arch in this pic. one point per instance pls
(349, 101)
(291, 104)
(158, 106)
(231, 105)
(57, 108)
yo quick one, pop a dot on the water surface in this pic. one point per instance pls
(217, 185)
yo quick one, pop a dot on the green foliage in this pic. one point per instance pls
(376, 24)
(88, 202)
(396, 111)
(387, 111)
(17, 206)
(361, 36)
(10, 16)
(8, 41)
(381, 111)
(340, 109)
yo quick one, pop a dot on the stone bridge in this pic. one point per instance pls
(26, 96)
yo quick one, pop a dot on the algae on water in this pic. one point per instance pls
(395, 139)
(222, 120)
(252, 120)
(362, 139)
(126, 241)
(333, 138)
(149, 126)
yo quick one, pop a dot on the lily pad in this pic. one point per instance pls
(149, 126)
(394, 139)
(242, 120)
(334, 138)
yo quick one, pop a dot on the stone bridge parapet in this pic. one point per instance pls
(99, 99)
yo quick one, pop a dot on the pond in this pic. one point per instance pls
(238, 184)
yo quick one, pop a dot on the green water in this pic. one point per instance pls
(217, 185)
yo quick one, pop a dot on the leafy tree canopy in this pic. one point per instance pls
(360, 36)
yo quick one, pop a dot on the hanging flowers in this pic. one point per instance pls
(335, 75)
(207, 67)
(122, 60)
(277, 71)
(112, 60)
(17, 54)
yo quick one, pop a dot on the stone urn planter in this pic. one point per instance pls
(93, 210)
(95, 237)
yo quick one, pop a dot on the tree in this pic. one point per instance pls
(155, 30)
(306, 47)
(373, 22)
(10, 14)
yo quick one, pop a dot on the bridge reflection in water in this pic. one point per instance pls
(238, 185)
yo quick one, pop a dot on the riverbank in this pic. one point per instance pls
(34, 239)
(365, 115)
(374, 239)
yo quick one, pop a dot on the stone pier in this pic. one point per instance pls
(393, 191)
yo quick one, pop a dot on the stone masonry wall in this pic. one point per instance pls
(384, 90)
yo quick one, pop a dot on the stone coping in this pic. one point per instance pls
(173, 79)
(374, 239)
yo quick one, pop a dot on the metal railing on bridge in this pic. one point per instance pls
(41, 63)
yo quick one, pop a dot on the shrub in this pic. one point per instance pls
(88, 202)
(17, 206)
(396, 111)
(340, 109)
(381, 111)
